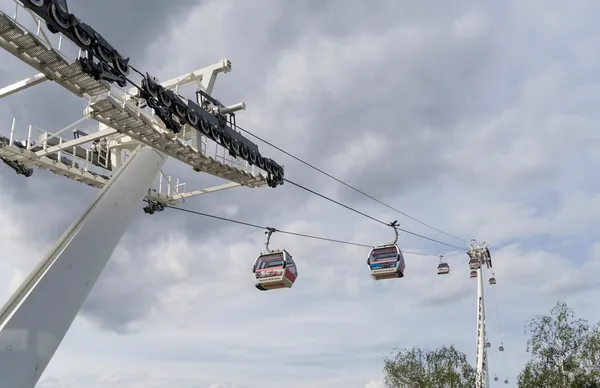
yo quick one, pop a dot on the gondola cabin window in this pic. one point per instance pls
(378, 256)
(270, 261)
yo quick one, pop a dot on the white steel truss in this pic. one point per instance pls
(122, 159)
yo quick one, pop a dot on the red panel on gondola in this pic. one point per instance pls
(290, 275)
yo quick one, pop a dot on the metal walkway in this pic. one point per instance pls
(67, 168)
(15, 39)
(129, 120)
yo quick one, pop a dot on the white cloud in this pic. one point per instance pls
(374, 384)
(478, 121)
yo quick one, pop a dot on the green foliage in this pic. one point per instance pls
(565, 352)
(445, 367)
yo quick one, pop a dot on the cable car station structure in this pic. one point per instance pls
(138, 130)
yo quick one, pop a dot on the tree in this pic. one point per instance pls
(565, 352)
(445, 367)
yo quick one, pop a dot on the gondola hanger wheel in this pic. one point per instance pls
(121, 66)
(215, 133)
(235, 146)
(37, 3)
(57, 17)
(82, 36)
(205, 127)
(180, 110)
(244, 151)
(278, 172)
(269, 167)
(261, 162)
(192, 117)
(226, 142)
(103, 53)
(153, 103)
(252, 158)
(150, 87)
(164, 99)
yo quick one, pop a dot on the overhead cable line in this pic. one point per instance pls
(348, 185)
(499, 330)
(249, 224)
(368, 216)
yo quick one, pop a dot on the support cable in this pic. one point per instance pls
(347, 184)
(368, 216)
(303, 235)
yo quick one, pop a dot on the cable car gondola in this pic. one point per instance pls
(274, 269)
(473, 274)
(501, 348)
(443, 268)
(474, 264)
(386, 261)
(493, 279)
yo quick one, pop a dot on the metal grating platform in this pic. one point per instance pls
(52, 164)
(128, 120)
(30, 49)
(71, 169)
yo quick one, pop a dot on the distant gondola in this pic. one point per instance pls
(474, 264)
(443, 268)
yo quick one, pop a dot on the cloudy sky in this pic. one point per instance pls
(477, 119)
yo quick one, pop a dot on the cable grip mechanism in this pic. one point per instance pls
(394, 225)
(269, 232)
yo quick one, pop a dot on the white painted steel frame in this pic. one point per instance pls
(481, 360)
(36, 318)
(34, 321)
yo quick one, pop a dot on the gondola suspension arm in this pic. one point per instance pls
(394, 225)
(269, 232)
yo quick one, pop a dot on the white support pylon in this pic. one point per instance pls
(36, 318)
(482, 364)
(478, 251)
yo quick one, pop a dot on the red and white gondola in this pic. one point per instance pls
(274, 269)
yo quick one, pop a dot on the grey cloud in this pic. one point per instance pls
(130, 24)
(418, 98)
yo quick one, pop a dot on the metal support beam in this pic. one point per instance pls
(78, 141)
(22, 85)
(195, 193)
(61, 131)
(205, 77)
(36, 318)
